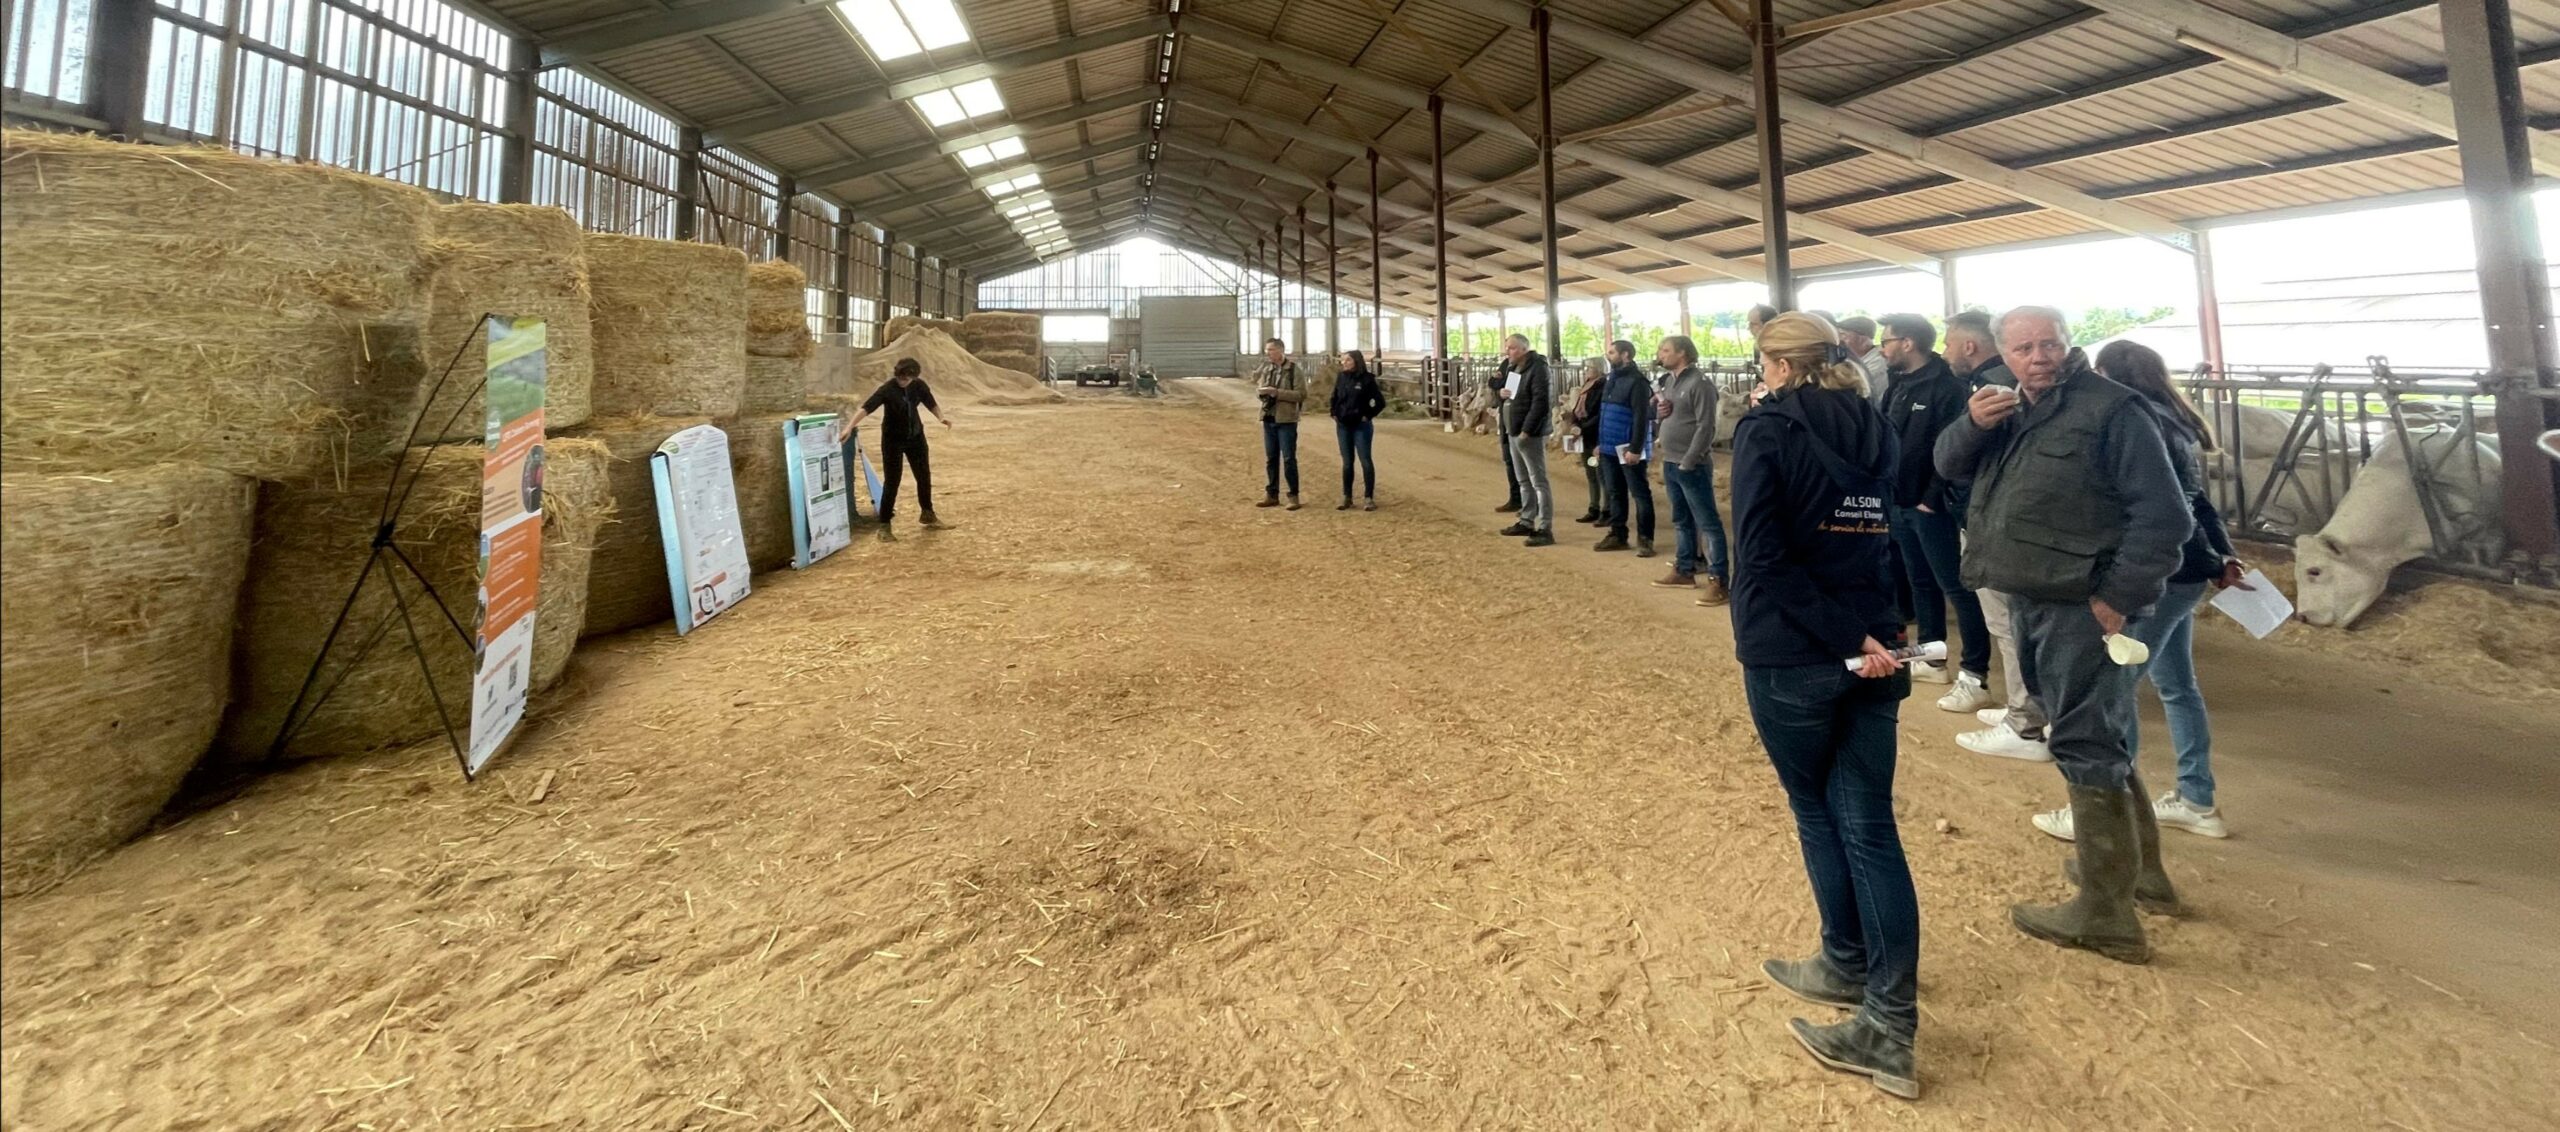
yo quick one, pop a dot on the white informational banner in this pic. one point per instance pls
(822, 522)
(510, 531)
(707, 568)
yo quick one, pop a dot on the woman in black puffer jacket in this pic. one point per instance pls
(1357, 401)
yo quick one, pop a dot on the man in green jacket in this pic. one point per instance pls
(1282, 393)
(2077, 515)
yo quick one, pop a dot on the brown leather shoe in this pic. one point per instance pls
(1711, 593)
(1676, 580)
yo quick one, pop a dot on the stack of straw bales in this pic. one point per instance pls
(115, 640)
(899, 326)
(627, 584)
(762, 475)
(189, 305)
(312, 542)
(778, 338)
(670, 325)
(1007, 339)
(506, 259)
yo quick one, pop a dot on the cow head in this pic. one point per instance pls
(2331, 588)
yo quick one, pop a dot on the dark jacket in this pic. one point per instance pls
(1357, 400)
(1586, 414)
(1626, 409)
(1809, 581)
(2200, 560)
(2073, 496)
(1993, 372)
(1917, 405)
(1530, 413)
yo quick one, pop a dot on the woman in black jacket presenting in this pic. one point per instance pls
(1813, 624)
(1357, 401)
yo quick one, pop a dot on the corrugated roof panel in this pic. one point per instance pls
(689, 77)
(1036, 90)
(880, 128)
(1845, 62)
(804, 148)
(803, 56)
(546, 17)
(1924, 204)
(2409, 173)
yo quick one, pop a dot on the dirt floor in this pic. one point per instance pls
(1126, 805)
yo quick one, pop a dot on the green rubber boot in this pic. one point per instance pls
(2152, 891)
(2101, 917)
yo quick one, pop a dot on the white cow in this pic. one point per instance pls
(2260, 437)
(2338, 572)
(1477, 408)
(1730, 405)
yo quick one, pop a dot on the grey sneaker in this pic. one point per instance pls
(1814, 981)
(1862, 1048)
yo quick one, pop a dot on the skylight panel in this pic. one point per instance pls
(980, 98)
(883, 31)
(975, 156)
(939, 108)
(1007, 148)
(937, 24)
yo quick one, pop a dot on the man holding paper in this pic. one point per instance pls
(1626, 444)
(2077, 515)
(1527, 409)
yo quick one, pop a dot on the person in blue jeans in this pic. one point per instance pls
(1810, 599)
(2207, 560)
(1928, 512)
(1686, 447)
(1282, 393)
(1626, 447)
(1357, 401)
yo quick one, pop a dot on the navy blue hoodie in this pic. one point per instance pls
(1809, 580)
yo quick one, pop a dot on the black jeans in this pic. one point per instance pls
(1933, 559)
(2087, 697)
(892, 454)
(1830, 734)
(1625, 482)
(1357, 440)
(1279, 449)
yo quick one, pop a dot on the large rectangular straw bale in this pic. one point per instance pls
(183, 304)
(510, 259)
(670, 325)
(311, 544)
(116, 597)
(776, 385)
(627, 585)
(778, 311)
(763, 479)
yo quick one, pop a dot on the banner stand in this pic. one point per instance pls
(395, 498)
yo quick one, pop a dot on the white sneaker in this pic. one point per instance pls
(2002, 743)
(1929, 672)
(2054, 823)
(1992, 716)
(1967, 695)
(2176, 812)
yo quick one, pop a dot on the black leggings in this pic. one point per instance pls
(906, 452)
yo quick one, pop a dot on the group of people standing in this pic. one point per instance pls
(2058, 506)
(1358, 401)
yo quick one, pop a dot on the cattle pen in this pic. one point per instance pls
(553, 578)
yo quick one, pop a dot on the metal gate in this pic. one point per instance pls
(1188, 335)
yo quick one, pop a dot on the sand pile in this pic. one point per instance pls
(115, 645)
(510, 259)
(670, 325)
(763, 479)
(311, 544)
(778, 311)
(627, 583)
(955, 374)
(182, 304)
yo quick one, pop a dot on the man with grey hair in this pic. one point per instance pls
(1528, 406)
(1858, 336)
(2077, 515)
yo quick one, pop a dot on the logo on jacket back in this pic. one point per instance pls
(1856, 515)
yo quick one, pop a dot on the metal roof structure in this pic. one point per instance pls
(1914, 129)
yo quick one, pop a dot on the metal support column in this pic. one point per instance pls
(1306, 299)
(1685, 331)
(2497, 173)
(1608, 321)
(1333, 275)
(1539, 21)
(1280, 287)
(1948, 297)
(1377, 266)
(840, 308)
(688, 182)
(1765, 38)
(119, 65)
(888, 279)
(1253, 301)
(785, 190)
(2208, 302)
(1439, 234)
(515, 161)
(916, 256)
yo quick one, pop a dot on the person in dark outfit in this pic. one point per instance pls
(1583, 413)
(1812, 467)
(1283, 395)
(1500, 377)
(1357, 401)
(1527, 412)
(2077, 516)
(1626, 443)
(902, 438)
(2207, 560)
(1927, 513)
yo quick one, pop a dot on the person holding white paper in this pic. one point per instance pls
(1626, 446)
(2208, 559)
